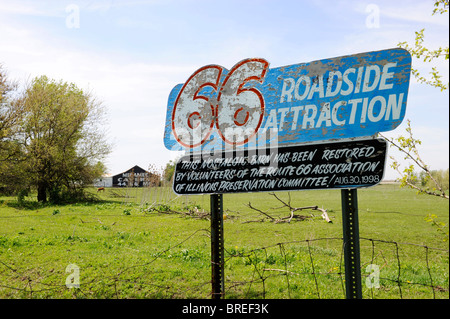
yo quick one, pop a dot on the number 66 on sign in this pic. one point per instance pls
(339, 98)
(231, 105)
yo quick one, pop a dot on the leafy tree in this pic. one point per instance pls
(61, 137)
(441, 227)
(8, 116)
(169, 170)
(421, 52)
(431, 183)
(441, 176)
(10, 151)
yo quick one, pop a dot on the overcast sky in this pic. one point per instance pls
(130, 54)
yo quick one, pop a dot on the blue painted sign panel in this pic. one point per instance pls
(252, 105)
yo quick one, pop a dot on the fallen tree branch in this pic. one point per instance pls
(165, 209)
(292, 210)
(258, 210)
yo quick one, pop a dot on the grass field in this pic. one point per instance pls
(140, 243)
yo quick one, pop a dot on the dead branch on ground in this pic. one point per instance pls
(191, 212)
(292, 210)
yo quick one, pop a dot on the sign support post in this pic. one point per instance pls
(351, 244)
(217, 246)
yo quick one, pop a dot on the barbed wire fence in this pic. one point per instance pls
(298, 269)
(294, 269)
(396, 274)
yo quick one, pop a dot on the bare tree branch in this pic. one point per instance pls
(292, 211)
(408, 146)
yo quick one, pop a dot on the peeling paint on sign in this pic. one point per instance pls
(331, 99)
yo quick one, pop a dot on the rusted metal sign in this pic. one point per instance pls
(251, 105)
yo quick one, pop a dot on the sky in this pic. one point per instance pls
(130, 54)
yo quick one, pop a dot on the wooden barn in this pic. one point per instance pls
(135, 177)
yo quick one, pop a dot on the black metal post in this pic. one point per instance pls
(217, 251)
(351, 244)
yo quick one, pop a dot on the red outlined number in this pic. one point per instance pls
(193, 114)
(239, 111)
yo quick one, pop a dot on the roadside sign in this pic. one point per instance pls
(349, 164)
(252, 105)
(296, 127)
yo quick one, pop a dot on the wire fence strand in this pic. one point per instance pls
(310, 268)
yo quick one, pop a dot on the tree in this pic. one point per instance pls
(169, 170)
(408, 144)
(421, 52)
(8, 116)
(62, 138)
(429, 182)
(10, 151)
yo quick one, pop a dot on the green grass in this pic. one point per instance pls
(125, 250)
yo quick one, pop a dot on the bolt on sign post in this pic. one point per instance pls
(304, 126)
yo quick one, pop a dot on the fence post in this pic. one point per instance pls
(217, 248)
(351, 244)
